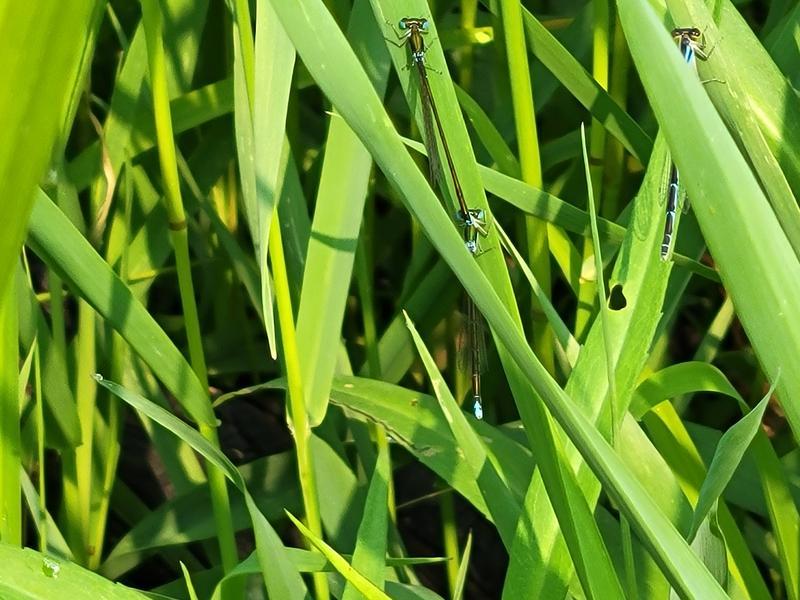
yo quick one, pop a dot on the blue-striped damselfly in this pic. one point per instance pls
(691, 47)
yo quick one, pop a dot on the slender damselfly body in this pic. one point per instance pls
(471, 220)
(691, 47)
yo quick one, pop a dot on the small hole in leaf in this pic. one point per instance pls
(617, 300)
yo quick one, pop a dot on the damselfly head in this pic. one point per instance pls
(414, 24)
(692, 33)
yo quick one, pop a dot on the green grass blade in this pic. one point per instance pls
(370, 552)
(360, 582)
(677, 380)
(189, 585)
(503, 508)
(585, 89)
(343, 189)
(463, 569)
(61, 245)
(283, 581)
(751, 113)
(34, 104)
(10, 448)
(274, 65)
(29, 574)
(726, 459)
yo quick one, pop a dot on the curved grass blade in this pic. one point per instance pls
(370, 552)
(502, 505)
(58, 243)
(282, 579)
(360, 583)
(726, 459)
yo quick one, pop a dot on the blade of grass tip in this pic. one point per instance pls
(274, 66)
(281, 578)
(244, 123)
(729, 453)
(10, 448)
(503, 507)
(463, 569)
(188, 579)
(360, 583)
(369, 556)
(153, 28)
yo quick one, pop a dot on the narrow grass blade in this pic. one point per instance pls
(189, 584)
(361, 583)
(10, 447)
(502, 505)
(370, 552)
(59, 244)
(62, 430)
(343, 189)
(463, 569)
(274, 65)
(726, 459)
(585, 89)
(283, 581)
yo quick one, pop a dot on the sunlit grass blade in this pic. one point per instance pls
(274, 65)
(726, 459)
(280, 577)
(360, 582)
(369, 554)
(463, 569)
(10, 448)
(39, 81)
(503, 508)
(343, 189)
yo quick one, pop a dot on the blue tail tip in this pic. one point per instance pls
(477, 409)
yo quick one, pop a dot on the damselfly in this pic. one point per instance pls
(413, 29)
(689, 41)
(471, 220)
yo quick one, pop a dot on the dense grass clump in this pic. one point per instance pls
(245, 351)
